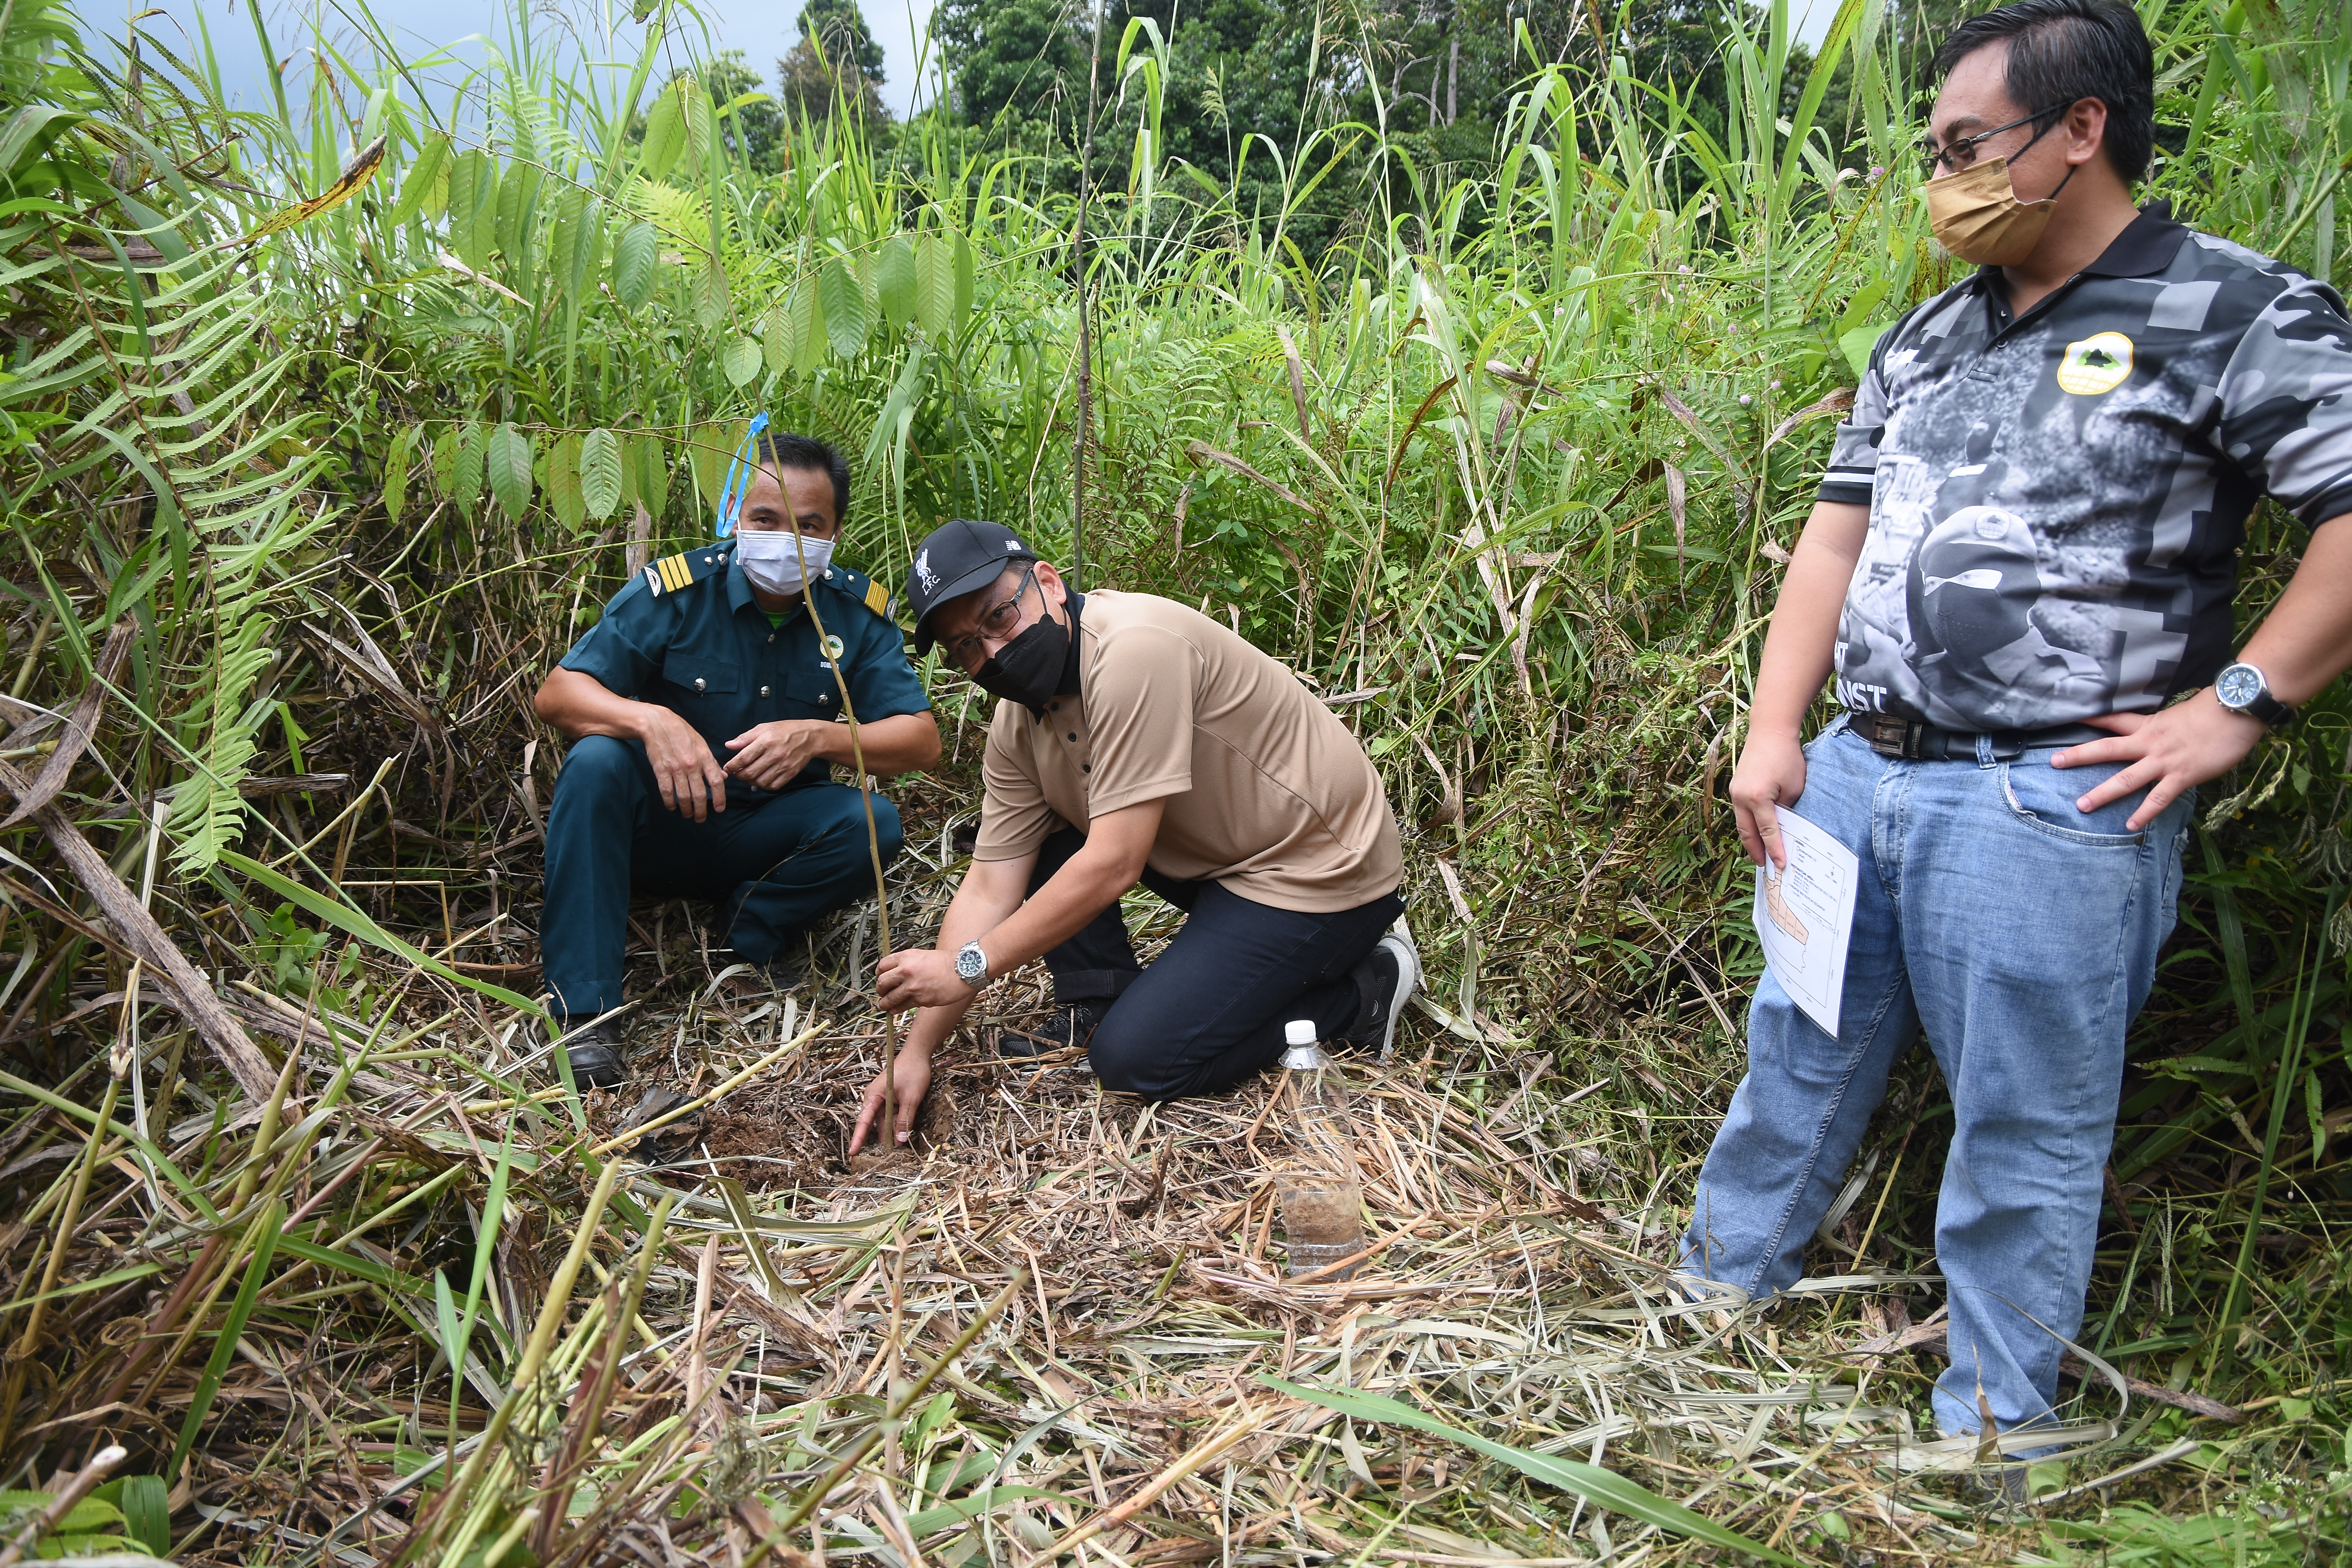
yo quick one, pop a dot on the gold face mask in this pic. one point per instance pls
(1977, 216)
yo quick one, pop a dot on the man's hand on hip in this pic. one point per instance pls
(690, 778)
(771, 755)
(919, 977)
(1771, 772)
(2170, 753)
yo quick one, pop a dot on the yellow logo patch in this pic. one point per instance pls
(2098, 363)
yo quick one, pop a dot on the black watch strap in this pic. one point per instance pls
(2273, 713)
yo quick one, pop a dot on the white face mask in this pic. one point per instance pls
(772, 558)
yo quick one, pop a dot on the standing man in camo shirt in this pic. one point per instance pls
(2020, 570)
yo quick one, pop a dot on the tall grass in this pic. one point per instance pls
(1509, 473)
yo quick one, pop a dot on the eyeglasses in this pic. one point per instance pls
(1961, 152)
(996, 624)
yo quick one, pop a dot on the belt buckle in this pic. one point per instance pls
(1892, 735)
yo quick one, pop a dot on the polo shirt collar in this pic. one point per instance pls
(2147, 246)
(1069, 687)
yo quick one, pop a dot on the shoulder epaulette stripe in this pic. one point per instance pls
(877, 599)
(675, 572)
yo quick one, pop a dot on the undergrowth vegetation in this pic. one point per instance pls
(325, 429)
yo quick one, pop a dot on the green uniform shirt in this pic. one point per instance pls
(687, 634)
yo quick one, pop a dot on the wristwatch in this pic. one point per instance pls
(2242, 689)
(971, 965)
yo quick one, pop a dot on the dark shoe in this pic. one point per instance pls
(2000, 1485)
(780, 975)
(594, 1053)
(1071, 1026)
(1384, 982)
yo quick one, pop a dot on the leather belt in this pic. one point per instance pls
(1892, 735)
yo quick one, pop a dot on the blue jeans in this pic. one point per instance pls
(2022, 936)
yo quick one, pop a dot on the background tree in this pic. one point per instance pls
(835, 61)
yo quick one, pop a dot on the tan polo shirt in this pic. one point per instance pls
(1268, 792)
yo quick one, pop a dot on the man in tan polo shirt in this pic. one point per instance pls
(1140, 741)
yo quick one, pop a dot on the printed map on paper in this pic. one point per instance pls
(1805, 913)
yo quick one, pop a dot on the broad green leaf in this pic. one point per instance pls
(635, 257)
(445, 462)
(509, 462)
(1856, 345)
(469, 469)
(563, 243)
(395, 472)
(1604, 1488)
(563, 234)
(701, 126)
(711, 293)
(147, 1512)
(894, 282)
(665, 131)
(807, 329)
(740, 359)
(563, 483)
(588, 250)
(843, 303)
(473, 207)
(776, 340)
(600, 472)
(935, 287)
(707, 458)
(652, 491)
(465, 169)
(424, 174)
(963, 283)
(88, 1516)
(518, 203)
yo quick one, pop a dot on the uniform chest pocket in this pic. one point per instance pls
(704, 676)
(813, 692)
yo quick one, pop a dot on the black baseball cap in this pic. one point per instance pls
(956, 558)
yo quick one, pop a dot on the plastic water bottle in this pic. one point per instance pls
(1322, 1207)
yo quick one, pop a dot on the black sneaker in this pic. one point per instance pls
(594, 1051)
(1383, 982)
(786, 971)
(1071, 1026)
(2000, 1486)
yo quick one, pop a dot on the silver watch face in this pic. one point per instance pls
(972, 963)
(2239, 686)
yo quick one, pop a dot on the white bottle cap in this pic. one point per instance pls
(1298, 1032)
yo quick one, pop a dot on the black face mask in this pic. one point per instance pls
(1028, 669)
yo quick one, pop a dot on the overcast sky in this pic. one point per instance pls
(762, 29)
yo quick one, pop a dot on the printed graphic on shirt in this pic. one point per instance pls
(2055, 504)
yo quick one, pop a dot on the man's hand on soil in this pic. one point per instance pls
(2169, 752)
(919, 977)
(769, 756)
(914, 1082)
(690, 778)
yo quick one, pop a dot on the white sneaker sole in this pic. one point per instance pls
(1408, 957)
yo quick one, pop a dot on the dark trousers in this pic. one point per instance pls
(772, 864)
(1210, 1011)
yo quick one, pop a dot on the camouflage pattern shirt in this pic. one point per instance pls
(2056, 499)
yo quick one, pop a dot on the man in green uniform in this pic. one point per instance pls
(706, 719)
